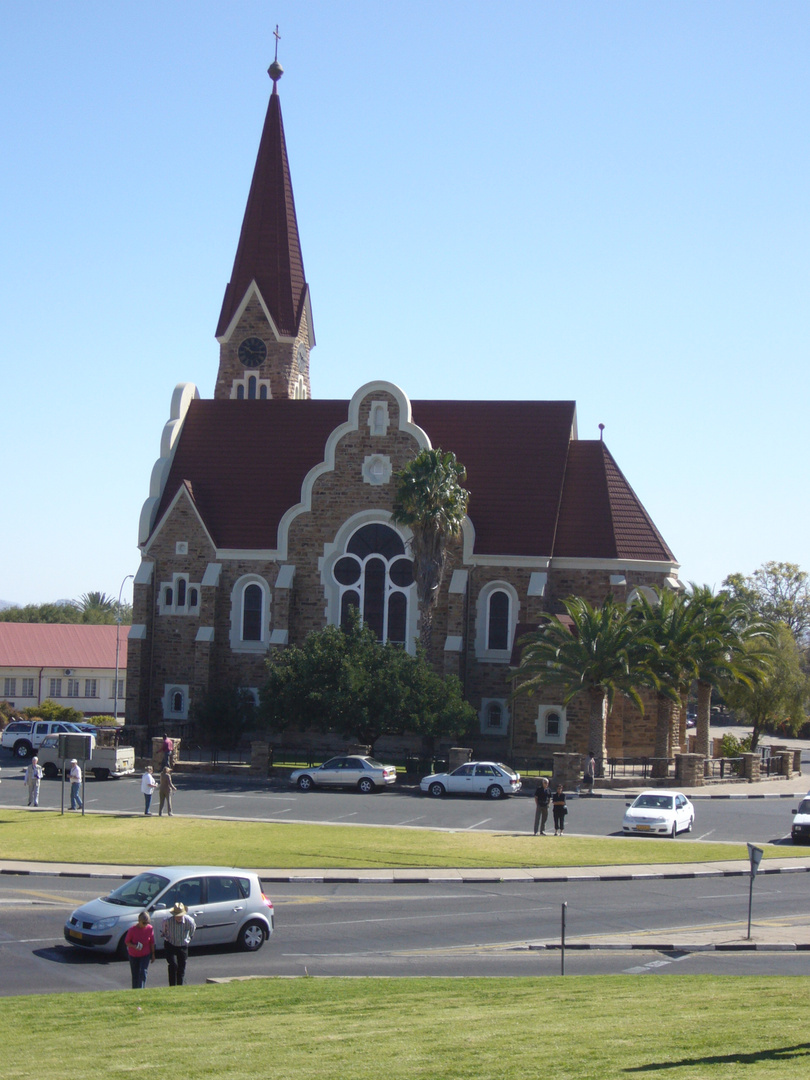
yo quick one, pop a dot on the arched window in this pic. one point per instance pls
(168, 596)
(375, 577)
(177, 701)
(498, 621)
(181, 592)
(494, 714)
(252, 388)
(193, 598)
(240, 391)
(252, 613)
(497, 607)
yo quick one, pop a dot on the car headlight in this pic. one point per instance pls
(105, 924)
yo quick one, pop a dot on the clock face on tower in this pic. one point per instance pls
(252, 352)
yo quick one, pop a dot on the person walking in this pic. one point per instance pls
(589, 773)
(165, 792)
(177, 932)
(542, 797)
(148, 785)
(33, 775)
(168, 747)
(140, 943)
(559, 810)
(75, 785)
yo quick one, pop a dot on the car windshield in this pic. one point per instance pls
(138, 891)
(804, 808)
(653, 802)
(507, 770)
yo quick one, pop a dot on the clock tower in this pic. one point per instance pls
(265, 328)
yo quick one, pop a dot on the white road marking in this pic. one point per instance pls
(407, 821)
(475, 826)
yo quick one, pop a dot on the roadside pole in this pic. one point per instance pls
(562, 938)
(755, 855)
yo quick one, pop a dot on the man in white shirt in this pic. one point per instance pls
(33, 775)
(75, 785)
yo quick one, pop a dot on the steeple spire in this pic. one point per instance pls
(268, 269)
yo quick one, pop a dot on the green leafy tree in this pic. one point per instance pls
(603, 652)
(780, 696)
(223, 714)
(343, 680)
(62, 611)
(777, 592)
(430, 500)
(52, 710)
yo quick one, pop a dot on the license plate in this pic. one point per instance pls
(76, 934)
(643, 828)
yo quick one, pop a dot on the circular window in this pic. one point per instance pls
(402, 573)
(347, 571)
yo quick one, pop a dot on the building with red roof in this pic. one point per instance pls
(269, 511)
(72, 663)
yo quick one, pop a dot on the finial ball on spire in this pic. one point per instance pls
(275, 71)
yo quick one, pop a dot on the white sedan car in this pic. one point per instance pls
(364, 773)
(488, 778)
(659, 812)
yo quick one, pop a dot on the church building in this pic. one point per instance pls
(269, 513)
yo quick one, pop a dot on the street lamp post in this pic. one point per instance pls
(118, 642)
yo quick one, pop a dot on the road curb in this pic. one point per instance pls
(669, 946)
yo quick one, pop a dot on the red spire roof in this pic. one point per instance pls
(269, 250)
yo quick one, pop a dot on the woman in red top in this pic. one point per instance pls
(140, 943)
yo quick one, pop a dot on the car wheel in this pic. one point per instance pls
(495, 792)
(50, 770)
(691, 823)
(365, 785)
(101, 774)
(251, 936)
(121, 950)
(22, 749)
(436, 790)
(305, 783)
(674, 832)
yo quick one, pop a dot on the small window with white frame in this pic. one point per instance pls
(10, 688)
(91, 688)
(55, 688)
(73, 688)
(494, 716)
(175, 702)
(28, 688)
(551, 724)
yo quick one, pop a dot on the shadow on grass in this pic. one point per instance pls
(779, 1053)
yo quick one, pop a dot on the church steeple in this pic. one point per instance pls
(265, 326)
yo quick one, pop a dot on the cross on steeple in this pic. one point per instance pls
(277, 36)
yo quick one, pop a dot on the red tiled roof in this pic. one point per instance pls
(69, 645)
(245, 462)
(600, 515)
(269, 249)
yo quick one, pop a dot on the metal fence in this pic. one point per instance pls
(640, 767)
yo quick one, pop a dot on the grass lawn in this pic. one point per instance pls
(588, 1028)
(48, 836)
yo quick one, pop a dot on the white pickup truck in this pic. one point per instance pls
(106, 761)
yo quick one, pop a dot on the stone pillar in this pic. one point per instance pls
(458, 755)
(567, 770)
(689, 769)
(797, 762)
(260, 758)
(750, 767)
(784, 763)
(157, 753)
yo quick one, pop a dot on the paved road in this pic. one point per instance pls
(758, 820)
(441, 929)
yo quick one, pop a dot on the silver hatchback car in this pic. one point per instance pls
(227, 905)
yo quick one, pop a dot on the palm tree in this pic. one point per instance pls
(669, 623)
(729, 646)
(430, 500)
(604, 651)
(96, 607)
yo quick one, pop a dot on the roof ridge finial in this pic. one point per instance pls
(601, 432)
(275, 71)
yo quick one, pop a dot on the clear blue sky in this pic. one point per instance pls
(604, 201)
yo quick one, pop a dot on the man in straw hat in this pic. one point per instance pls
(178, 930)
